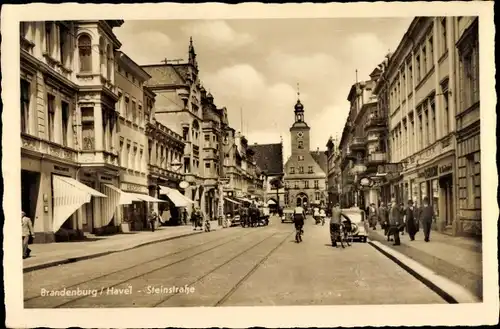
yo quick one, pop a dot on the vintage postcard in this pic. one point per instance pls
(214, 165)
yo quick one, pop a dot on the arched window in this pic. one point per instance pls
(85, 53)
(102, 56)
(196, 125)
(109, 52)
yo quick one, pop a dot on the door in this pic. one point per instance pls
(30, 185)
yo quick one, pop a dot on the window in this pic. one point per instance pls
(306, 184)
(85, 53)
(301, 144)
(446, 115)
(427, 132)
(470, 72)
(420, 132)
(444, 47)
(434, 127)
(317, 196)
(185, 133)
(63, 45)
(471, 184)
(301, 158)
(150, 148)
(139, 114)
(301, 170)
(127, 107)
(51, 109)
(424, 60)
(65, 122)
(310, 169)
(136, 159)
(48, 37)
(296, 184)
(419, 73)
(88, 137)
(134, 112)
(292, 170)
(109, 53)
(25, 106)
(316, 184)
(129, 157)
(207, 165)
(122, 154)
(410, 77)
(431, 50)
(207, 137)
(119, 103)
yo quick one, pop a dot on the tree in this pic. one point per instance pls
(276, 184)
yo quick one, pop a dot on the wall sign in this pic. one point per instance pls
(392, 168)
(59, 168)
(429, 172)
(446, 168)
(105, 178)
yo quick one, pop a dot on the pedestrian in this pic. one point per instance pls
(335, 222)
(402, 212)
(152, 220)
(383, 217)
(411, 227)
(372, 216)
(394, 222)
(417, 210)
(27, 234)
(426, 215)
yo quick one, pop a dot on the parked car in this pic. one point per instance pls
(359, 224)
(287, 215)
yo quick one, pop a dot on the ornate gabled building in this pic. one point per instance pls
(305, 178)
(178, 107)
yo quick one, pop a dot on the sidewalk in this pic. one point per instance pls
(52, 254)
(457, 258)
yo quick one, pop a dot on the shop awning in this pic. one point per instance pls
(176, 197)
(69, 195)
(245, 200)
(125, 197)
(271, 201)
(145, 197)
(231, 200)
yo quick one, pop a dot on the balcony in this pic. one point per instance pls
(358, 143)
(377, 158)
(376, 123)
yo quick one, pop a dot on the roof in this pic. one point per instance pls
(163, 74)
(269, 157)
(321, 158)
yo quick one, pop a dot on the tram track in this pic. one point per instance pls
(225, 263)
(151, 261)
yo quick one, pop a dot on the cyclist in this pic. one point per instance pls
(335, 222)
(299, 214)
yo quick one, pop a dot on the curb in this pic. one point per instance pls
(452, 293)
(100, 254)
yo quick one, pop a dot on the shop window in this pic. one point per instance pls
(85, 53)
(51, 109)
(25, 106)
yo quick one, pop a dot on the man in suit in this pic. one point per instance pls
(394, 222)
(372, 216)
(426, 215)
(411, 226)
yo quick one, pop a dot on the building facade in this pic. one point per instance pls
(69, 127)
(432, 83)
(269, 159)
(305, 178)
(333, 172)
(178, 107)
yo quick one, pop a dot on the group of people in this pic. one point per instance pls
(397, 219)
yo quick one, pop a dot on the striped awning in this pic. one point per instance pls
(69, 195)
(176, 197)
(145, 197)
(125, 197)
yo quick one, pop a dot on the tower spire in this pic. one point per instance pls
(298, 91)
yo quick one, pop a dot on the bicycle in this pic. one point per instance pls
(298, 234)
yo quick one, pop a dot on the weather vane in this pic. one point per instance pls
(298, 90)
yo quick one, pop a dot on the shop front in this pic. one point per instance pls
(136, 211)
(435, 181)
(176, 210)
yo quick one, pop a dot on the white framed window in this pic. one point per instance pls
(25, 106)
(51, 111)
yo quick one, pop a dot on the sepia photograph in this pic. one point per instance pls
(236, 160)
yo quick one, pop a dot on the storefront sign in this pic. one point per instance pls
(107, 179)
(59, 168)
(390, 168)
(446, 168)
(429, 172)
(134, 188)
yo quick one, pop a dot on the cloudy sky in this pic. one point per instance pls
(255, 65)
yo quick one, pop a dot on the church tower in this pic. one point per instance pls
(299, 131)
